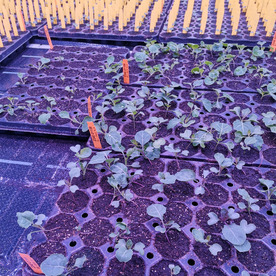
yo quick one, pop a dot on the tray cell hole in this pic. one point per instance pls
(73, 243)
(84, 215)
(110, 249)
(235, 269)
(191, 262)
(94, 191)
(150, 255)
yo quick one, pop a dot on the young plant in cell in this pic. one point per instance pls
(242, 70)
(166, 178)
(262, 72)
(57, 265)
(41, 64)
(44, 117)
(22, 79)
(29, 219)
(165, 97)
(145, 145)
(145, 92)
(125, 250)
(158, 211)
(176, 151)
(225, 163)
(199, 237)
(184, 120)
(233, 233)
(175, 269)
(195, 50)
(78, 167)
(12, 106)
(71, 89)
(250, 202)
(175, 48)
(76, 120)
(122, 230)
(30, 105)
(270, 188)
(121, 175)
(247, 131)
(269, 120)
(200, 190)
(111, 66)
(258, 52)
(271, 89)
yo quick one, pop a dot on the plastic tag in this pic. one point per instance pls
(126, 71)
(31, 263)
(89, 107)
(94, 135)
(48, 37)
(273, 44)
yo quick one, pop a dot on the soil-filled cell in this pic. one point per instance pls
(96, 232)
(92, 266)
(73, 202)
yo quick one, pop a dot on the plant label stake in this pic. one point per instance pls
(273, 44)
(20, 19)
(31, 263)
(89, 107)
(94, 135)
(48, 37)
(126, 71)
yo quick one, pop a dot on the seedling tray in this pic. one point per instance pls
(90, 209)
(70, 66)
(113, 33)
(182, 75)
(11, 47)
(252, 101)
(194, 36)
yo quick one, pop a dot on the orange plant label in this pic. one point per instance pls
(48, 37)
(89, 107)
(126, 71)
(94, 135)
(273, 44)
(31, 263)
(23, 21)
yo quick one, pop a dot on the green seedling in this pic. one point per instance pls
(158, 211)
(41, 64)
(29, 219)
(57, 265)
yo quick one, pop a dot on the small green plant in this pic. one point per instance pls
(41, 64)
(175, 269)
(125, 250)
(247, 131)
(199, 236)
(158, 211)
(22, 79)
(258, 52)
(233, 233)
(224, 163)
(29, 219)
(57, 265)
(271, 89)
(71, 89)
(249, 200)
(270, 188)
(269, 120)
(166, 178)
(184, 120)
(12, 106)
(44, 117)
(77, 167)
